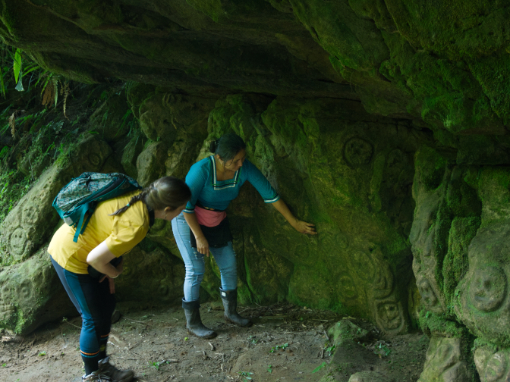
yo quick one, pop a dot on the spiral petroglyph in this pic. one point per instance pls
(358, 151)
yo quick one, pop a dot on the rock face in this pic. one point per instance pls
(445, 361)
(382, 122)
(445, 64)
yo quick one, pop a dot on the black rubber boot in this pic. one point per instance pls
(114, 374)
(193, 321)
(229, 298)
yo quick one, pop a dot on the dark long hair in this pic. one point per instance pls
(227, 146)
(164, 192)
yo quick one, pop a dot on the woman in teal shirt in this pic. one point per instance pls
(214, 182)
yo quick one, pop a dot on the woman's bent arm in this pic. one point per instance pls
(202, 244)
(299, 225)
(100, 258)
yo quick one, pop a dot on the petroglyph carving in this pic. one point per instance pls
(496, 367)
(347, 287)
(18, 242)
(30, 214)
(389, 316)
(383, 280)
(488, 288)
(492, 367)
(443, 361)
(25, 292)
(95, 159)
(364, 265)
(358, 152)
(428, 295)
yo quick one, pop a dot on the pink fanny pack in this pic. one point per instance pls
(209, 218)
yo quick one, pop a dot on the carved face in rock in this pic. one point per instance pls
(6, 309)
(427, 293)
(358, 152)
(487, 289)
(18, 241)
(389, 315)
(443, 356)
(444, 361)
(496, 368)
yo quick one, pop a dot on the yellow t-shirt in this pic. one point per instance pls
(121, 233)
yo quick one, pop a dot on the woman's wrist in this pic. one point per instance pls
(293, 221)
(118, 274)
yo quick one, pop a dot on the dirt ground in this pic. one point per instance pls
(286, 343)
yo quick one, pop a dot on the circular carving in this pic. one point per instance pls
(25, 292)
(18, 241)
(427, 293)
(95, 159)
(347, 287)
(358, 152)
(488, 289)
(496, 367)
(389, 316)
(442, 355)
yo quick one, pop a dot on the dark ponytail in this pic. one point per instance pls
(213, 146)
(227, 146)
(160, 194)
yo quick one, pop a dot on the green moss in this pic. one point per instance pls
(456, 263)
(355, 42)
(450, 96)
(494, 194)
(482, 343)
(432, 323)
(430, 167)
(221, 11)
(454, 28)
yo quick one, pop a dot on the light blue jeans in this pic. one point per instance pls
(194, 261)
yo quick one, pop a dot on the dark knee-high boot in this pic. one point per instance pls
(193, 321)
(229, 298)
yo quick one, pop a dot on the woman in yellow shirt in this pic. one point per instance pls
(116, 226)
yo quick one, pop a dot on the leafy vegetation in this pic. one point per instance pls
(318, 367)
(13, 186)
(245, 375)
(279, 347)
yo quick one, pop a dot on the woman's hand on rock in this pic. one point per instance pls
(304, 227)
(203, 245)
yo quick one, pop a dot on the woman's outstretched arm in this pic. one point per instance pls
(299, 225)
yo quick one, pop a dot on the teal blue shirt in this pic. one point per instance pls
(208, 192)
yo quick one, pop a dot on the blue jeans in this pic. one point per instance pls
(195, 265)
(95, 304)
